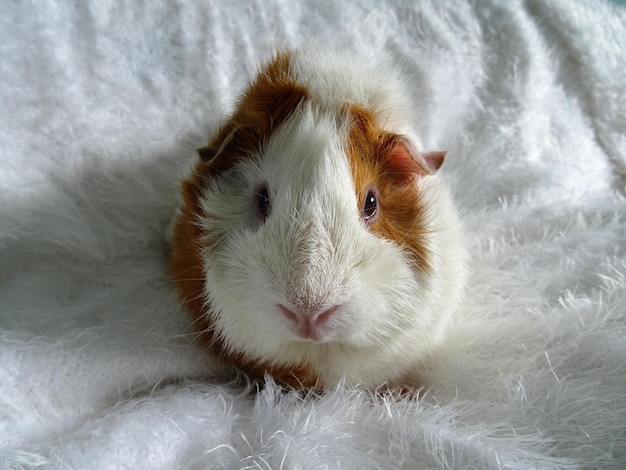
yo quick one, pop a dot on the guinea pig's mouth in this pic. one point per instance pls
(311, 326)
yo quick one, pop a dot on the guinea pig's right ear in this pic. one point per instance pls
(207, 153)
(221, 139)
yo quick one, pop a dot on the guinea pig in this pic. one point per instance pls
(314, 240)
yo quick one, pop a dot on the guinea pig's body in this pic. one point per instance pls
(314, 240)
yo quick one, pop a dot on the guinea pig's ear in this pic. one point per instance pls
(207, 153)
(415, 161)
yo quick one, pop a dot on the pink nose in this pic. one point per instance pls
(307, 325)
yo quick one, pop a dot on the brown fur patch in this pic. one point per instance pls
(265, 105)
(377, 160)
(185, 263)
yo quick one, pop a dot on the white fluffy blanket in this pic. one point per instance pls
(102, 106)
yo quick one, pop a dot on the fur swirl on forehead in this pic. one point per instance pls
(313, 295)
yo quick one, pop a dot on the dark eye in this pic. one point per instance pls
(369, 213)
(262, 203)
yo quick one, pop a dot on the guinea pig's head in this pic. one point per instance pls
(314, 242)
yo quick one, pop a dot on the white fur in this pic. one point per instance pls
(101, 107)
(315, 246)
(334, 79)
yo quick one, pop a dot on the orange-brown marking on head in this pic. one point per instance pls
(267, 102)
(381, 159)
(265, 105)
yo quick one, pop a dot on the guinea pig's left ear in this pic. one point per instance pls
(421, 163)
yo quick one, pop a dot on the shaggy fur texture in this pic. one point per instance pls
(372, 300)
(102, 106)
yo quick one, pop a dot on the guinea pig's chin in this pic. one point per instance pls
(310, 335)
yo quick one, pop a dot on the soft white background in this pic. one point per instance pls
(101, 107)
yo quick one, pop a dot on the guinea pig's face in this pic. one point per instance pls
(298, 248)
(309, 238)
(293, 251)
